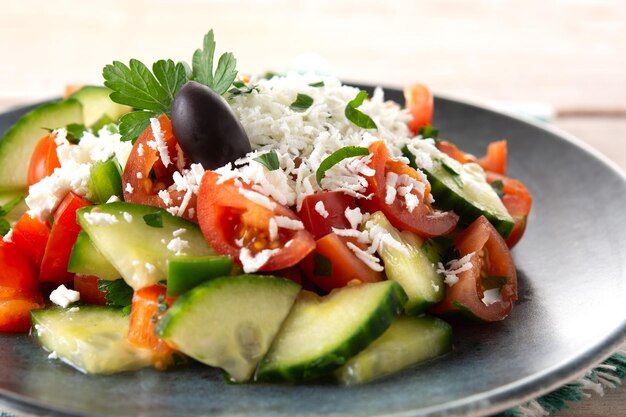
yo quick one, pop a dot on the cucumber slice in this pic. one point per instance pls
(92, 339)
(408, 341)
(408, 264)
(322, 333)
(105, 181)
(96, 103)
(19, 142)
(85, 259)
(463, 188)
(139, 252)
(187, 272)
(229, 322)
(12, 206)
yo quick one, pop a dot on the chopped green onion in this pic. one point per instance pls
(336, 157)
(356, 116)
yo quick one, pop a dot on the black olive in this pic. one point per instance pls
(206, 127)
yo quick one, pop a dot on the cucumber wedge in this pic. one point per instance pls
(322, 333)
(229, 322)
(92, 339)
(408, 341)
(12, 205)
(19, 142)
(85, 259)
(138, 251)
(96, 103)
(463, 188)
(406, 263)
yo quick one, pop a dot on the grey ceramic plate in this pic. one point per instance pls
(571, 313)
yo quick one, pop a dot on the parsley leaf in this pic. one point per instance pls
(75, 132)
(336, 157)
(134, 123)
(171, 76)
(202, 66)
(429, 132)
(117, 292)
(154, 219)
(317, 84)
(5, 226)
(240, 89)
(357, 116)
(302, 103)
(269, 160)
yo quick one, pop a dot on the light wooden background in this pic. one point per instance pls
(567, 55)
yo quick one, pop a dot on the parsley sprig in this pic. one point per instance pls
(152, 92)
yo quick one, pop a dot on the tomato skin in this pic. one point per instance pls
(31, 235)
(222, 209)
(15, 314)
(422, 221)
(136, 181)
(454, 152)
(495, 160)
(17, 272)
(143, 318)
(419, 102)
(518, 201)
(491, 257)
(63, 235)
(87, 286)
(44, 160)
(335, 203)
(346, 267)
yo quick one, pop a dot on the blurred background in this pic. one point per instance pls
(561, 61)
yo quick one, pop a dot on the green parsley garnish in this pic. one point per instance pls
(75, 132)
(494, 281)
(336, 157)
(302, 103)
(202, 66)
(498, 187)
(429, 132)
(240, 89)
(154, 219)
(117, 292)
(317, 84)
(269, 160)
(357, 116)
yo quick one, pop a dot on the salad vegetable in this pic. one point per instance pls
(281, 228)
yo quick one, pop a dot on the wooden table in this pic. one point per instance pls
(570, 56)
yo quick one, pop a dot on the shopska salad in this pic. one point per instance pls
(281, 228)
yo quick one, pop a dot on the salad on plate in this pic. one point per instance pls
(281, 227)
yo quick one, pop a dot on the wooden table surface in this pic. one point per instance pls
(567, 58)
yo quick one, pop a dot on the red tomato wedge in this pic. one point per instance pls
(31, 235)
(518, 201)
(231, 222)
(17, 271)
(44, 159)
(334, 203)
(62, 238)
(489, 257)
(15, 307)
(87, 286)
(495, 160)
(423, 220)
(454, 152)
(144, 314)
(334, 265)
(137, 183)
(419, 102)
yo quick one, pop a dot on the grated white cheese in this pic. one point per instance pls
(140, 149)
(321, 209)
(160, 141)
(113, 199)
(368, 259)
(99, 218)
(165, 196)
(62, 296)
(129, 188)
(491, 296)
(258, 198)
(128, 217)
(354, 216)
(252, 263)
(288, 223)
(177, 245)
(453, 268)
(179, 232)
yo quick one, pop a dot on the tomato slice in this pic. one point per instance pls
(44, 159)
(16, 270)
(63, 235)
(231, 222)
(517, 200)
(31, 235)
(87, 286)
(149, 304)
(489, 257)
(423, 220)
(334, 265)
(144, 159)
(454, 152)
(15, 314)
(495, 160)
(419, 102)
(334, 204)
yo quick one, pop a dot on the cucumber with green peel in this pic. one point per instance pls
(464, 189)
(138, 240)
(19, 142)
(12, 205)
(187, 272)
(105, 181)
(229, 322)
(322, 333)
(96, 103)
(407, 342)
(92, 339)
(85, 259)
(408, 264)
